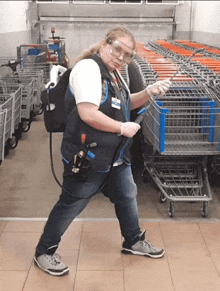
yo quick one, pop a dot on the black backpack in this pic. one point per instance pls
(53, 103)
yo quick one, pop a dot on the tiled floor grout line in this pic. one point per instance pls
(3, 228)
(208, 250)
(77, 262)
(123, 264)
(167, 220)
(167, 258)
(25, 281)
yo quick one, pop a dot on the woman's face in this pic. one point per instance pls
(116, 54)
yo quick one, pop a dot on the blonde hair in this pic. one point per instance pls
(119, 31)
(112, 34)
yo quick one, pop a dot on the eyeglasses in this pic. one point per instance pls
(119, 49)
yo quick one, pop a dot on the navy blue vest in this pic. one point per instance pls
(101, 156)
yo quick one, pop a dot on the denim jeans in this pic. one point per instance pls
(120, 189)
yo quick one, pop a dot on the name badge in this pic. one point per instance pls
(116, 103)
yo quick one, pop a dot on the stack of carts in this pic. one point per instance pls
(20, 90)
(180, 130)
(31, 84)
(22, 79)
(205, 68)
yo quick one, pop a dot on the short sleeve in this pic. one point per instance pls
(85, 82)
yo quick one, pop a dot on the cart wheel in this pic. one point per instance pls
(6, 150)
(13, 142)
(41, 110)
(26, 126)
(205, 209)
(171, 209)
(145, 176)
(18, 132)
(162, 198)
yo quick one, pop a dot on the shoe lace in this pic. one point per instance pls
(148, 243)
(54, 259)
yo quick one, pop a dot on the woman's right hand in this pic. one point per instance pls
(159, 88)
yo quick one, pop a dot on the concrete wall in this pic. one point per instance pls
(82, 25)
(14, 28)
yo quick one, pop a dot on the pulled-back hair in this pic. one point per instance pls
(119, 31)
(112, 34)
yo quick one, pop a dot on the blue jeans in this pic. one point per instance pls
(120, 189)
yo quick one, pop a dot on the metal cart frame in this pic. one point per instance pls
(3, 120)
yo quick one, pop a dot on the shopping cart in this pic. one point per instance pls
(34, 57)
(183, 129)
(180, 179)
(185, 121)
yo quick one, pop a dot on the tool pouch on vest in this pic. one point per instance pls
(81, 166)
(83, 170)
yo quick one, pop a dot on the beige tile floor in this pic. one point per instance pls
(91, 249)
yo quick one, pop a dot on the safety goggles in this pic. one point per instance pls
(119, 49)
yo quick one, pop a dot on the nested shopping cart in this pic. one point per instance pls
(27, 93)
(183, 129)
(6, 104)
(206, 68)
(38, 85)
(14, 92)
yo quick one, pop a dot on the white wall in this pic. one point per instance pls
(14, 28)
(13, 16)
(206, 22)
(206, 16)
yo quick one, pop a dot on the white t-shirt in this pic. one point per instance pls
(85, 82)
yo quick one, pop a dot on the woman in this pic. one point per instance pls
(95, 142)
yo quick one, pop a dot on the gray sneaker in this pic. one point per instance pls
(142, 248)
(51, 264)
